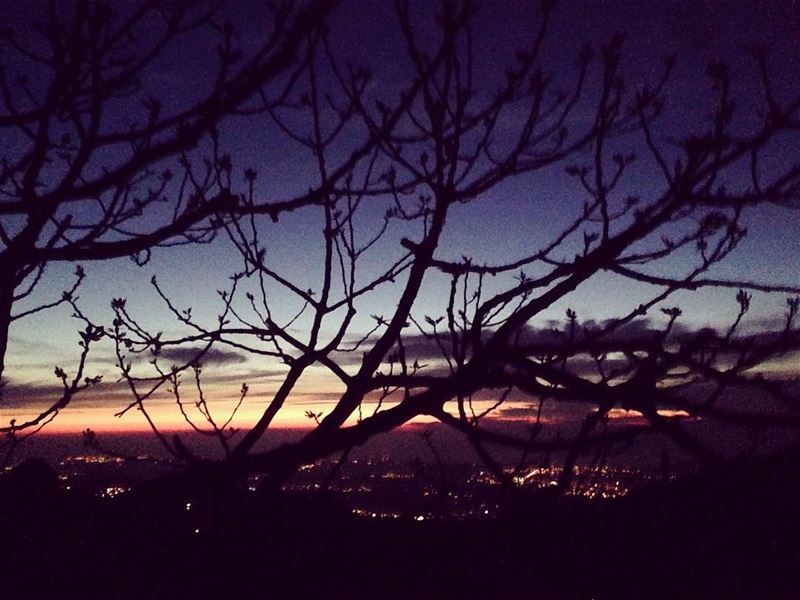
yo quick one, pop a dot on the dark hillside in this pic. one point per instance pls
(728, 534)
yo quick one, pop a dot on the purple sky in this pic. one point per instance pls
(515, 218)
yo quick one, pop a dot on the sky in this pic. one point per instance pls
(505, 224)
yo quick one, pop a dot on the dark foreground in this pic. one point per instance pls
(730, 534)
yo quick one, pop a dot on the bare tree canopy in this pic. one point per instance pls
(94, 165)
(399, 307)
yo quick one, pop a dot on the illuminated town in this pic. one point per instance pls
(376, 488)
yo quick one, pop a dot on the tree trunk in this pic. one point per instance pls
(6, 302)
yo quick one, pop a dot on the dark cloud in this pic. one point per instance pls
(213, 356)
(27, 395)
(315, 397)
(249, 376)
(20, 343)
(429, 349)
(38, 395)
(556, 334)
(34, 396)
(552, 337)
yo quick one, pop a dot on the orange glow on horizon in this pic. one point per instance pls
(168, 418)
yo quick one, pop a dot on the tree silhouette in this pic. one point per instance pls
(445, 143)
(94, 167)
